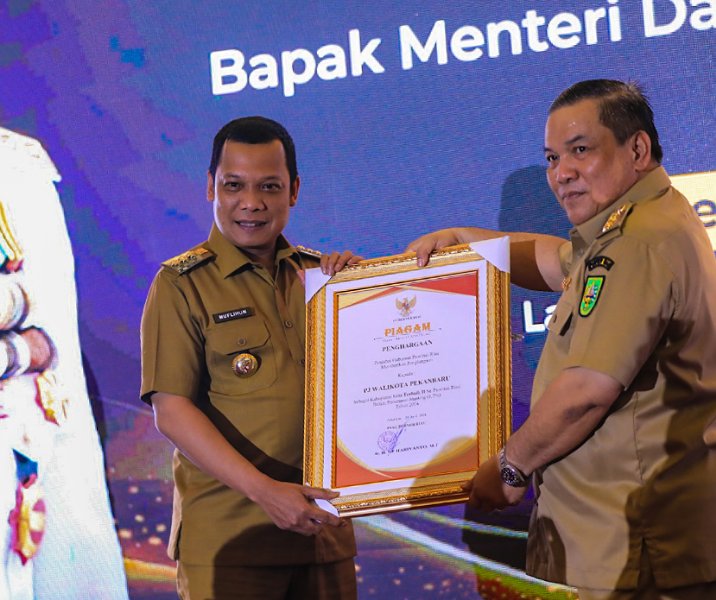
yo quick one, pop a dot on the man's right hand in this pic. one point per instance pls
(290, 506)
(534, 257)
(428, 243)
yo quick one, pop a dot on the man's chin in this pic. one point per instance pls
(575, 218)
(576, 215)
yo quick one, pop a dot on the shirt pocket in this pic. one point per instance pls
(226, 341)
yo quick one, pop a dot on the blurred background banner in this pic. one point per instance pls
(407, 117)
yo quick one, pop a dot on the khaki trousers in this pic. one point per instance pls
(646, 589)
(329, 581)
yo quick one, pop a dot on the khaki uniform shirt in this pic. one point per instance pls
(640, 306)
(204, 308)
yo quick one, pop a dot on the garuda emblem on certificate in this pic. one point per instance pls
(405, 306)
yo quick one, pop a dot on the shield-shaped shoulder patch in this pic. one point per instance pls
(592, 288)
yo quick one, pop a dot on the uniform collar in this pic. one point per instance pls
(231, 259)
(654, 184)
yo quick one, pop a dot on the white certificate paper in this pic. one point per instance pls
(408, 378)
(406, 361)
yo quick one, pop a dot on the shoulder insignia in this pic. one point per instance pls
(309, 251)
(600, 261)
(616, 219)
(188, 260)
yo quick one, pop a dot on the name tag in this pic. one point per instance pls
(231, 315)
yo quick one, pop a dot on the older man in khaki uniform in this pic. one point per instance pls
(223, 336)
(625, 391)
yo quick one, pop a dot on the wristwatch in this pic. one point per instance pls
(510, 474)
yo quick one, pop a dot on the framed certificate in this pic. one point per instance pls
(408, 376)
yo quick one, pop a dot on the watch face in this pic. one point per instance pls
(508, 476)
(512, 476)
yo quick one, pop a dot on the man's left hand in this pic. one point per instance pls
(488, 491)
(335, 261)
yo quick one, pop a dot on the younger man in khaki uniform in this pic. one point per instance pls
(223, 335)
(625, 391)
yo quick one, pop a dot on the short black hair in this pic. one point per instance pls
(623, 108)
(254, 130)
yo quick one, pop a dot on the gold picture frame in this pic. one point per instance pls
(408, 378)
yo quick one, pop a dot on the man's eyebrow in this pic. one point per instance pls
(572, 140)
(231, 175)
(576, 138)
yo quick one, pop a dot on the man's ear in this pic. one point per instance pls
(641, 150)
(209, 186)
(294, 191)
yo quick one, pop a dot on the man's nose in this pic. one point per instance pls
(251, 200)
(565, 171)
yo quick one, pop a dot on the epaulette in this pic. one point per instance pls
(615, 220)
(188, 260)
(309, 252)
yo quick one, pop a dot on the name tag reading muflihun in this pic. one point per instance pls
(231, 315)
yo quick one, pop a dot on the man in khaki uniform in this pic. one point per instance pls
(625, 391)
(223, 335)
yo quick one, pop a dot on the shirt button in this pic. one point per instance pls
(242, 341)
(288, 324)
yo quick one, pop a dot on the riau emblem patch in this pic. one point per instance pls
(592, 288)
